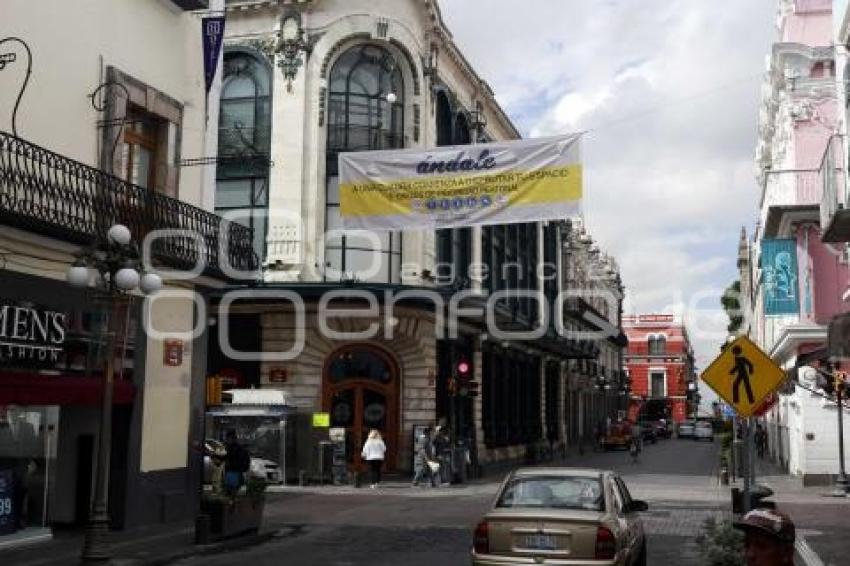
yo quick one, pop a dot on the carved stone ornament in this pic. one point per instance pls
(262, 45)
(291, 46)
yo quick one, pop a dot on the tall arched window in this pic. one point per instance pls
(244, 131)
(657, 345)
(365, 112)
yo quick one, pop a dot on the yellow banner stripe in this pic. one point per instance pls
(561, 184)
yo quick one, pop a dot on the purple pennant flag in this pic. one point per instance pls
(213, 30)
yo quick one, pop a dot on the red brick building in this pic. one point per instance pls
(660, 365)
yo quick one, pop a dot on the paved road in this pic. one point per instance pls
(399, 525)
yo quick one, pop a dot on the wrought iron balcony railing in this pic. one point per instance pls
(47, 193)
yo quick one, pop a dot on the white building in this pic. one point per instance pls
(303, 82)
(113, 111)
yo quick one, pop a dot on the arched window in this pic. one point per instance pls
(365, 112)
(244, 131)
(657, 345)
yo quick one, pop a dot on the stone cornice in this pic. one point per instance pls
(243, 5)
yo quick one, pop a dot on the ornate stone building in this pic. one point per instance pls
(303, 82)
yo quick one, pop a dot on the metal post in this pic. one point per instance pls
(748, 460)
(95, 546)
(841, 484)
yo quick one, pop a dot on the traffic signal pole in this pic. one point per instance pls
(841, 484)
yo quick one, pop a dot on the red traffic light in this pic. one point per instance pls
(463, 368)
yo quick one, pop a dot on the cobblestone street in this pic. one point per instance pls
(397, 524)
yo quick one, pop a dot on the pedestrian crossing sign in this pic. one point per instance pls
(743, 376)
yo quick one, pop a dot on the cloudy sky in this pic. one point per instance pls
(669, 90)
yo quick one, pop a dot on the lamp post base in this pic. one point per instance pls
(96, 545)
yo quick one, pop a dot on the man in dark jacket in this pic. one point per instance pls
(236, 463)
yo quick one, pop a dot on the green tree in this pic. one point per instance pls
(732, 305)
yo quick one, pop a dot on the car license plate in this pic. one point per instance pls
(540, 542)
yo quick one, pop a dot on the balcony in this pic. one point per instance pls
(789, 194)
(834, 214)
(49, 194)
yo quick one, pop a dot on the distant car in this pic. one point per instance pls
(704, 431)
(561, 516)
(619, 436)
(662, 429)
(261, 468)
(686, 429)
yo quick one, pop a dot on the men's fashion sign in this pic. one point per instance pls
(494, 183)
(213, 32)
(30, 335)
(779, 276)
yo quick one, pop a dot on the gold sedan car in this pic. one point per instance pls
(562, 516)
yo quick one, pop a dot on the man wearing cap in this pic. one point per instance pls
(769, 538)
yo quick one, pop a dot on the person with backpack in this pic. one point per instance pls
(237, 462)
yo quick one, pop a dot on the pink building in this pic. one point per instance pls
(792, 278)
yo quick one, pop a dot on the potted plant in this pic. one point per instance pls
(237, 514)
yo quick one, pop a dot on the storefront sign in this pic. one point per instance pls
(172, 353)
(30, 335)
(494, 183)
(321, 420)
(8, 521)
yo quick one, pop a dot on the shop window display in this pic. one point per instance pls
(27, 466)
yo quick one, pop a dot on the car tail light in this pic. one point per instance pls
(606, 544)
(481, 539)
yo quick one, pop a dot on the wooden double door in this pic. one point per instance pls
(361, 394)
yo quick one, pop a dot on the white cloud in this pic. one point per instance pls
(670, 90)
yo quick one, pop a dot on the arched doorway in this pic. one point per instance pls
(360, 391)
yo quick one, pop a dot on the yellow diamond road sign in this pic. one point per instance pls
(743, 376)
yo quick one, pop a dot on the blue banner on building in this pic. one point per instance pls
(213, 30)
(779, 277)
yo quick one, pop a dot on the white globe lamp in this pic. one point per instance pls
(391, 98)
(127, 279)
(78, 276)
(119, 234)
(150, 283)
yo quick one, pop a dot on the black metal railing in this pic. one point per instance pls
(47, 193)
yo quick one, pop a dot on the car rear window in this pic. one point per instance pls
(556, 492)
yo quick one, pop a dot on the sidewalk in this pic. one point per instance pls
(147, 546)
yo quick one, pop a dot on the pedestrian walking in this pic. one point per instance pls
(443, 452)
(634, 449)
(373, 452)
(237, 462)
(423, 464)
(768, 538)
(761, 440)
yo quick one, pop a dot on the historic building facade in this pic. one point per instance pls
(304, 82)
(660, 365)
(798, 273)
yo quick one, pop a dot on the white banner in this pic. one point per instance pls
(446, 187)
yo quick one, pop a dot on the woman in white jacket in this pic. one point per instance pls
(373, 452)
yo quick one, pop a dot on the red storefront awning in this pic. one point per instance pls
(40, 389)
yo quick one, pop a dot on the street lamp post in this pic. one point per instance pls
(112, 267)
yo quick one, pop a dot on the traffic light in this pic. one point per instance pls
(464, 370)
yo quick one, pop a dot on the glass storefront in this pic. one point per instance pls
(28, 440)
